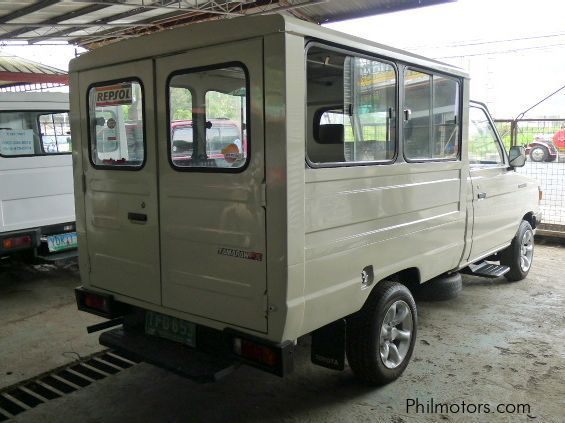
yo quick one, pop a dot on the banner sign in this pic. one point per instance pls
(16, 142)
(113, 95)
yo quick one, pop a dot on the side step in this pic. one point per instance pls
(185, 361)
(486, 269)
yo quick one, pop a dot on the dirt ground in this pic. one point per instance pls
(498, 344)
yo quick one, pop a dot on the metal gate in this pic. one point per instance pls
(548, 135)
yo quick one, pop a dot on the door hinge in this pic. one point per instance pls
(83, 183)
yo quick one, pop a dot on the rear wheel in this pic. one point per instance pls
(520, 254)
(539, 154)
(381, 336)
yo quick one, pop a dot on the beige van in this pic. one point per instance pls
(358, 172)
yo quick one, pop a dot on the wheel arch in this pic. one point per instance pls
(409, 277)
(529, 217)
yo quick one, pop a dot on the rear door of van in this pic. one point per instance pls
(212, 201)
(120, 180)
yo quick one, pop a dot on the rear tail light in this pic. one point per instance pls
(95, 303)
(271, 357)
(262, 354)
(17, 242)
(540, 195)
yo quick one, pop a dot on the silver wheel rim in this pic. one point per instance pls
(396, 334)
(537, 154)
(526, 250)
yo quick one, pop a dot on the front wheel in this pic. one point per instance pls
(538, 154)
(520, 254)
(381, 336)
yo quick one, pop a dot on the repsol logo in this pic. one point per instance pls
(248, 255)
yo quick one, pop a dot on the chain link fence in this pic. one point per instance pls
(545, 146)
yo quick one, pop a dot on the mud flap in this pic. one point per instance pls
(328, 345)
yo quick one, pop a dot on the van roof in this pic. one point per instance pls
(226, 30)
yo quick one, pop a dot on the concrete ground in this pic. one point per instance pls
(498, 343)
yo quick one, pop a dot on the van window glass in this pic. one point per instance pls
(116, 125)
(208, 118)
(34, 133)
(484, 148)
(351, 105)
(55, 133)
(431, 116)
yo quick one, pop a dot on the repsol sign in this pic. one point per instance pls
(113, 95)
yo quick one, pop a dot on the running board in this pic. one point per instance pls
(185, 361)
(486, 269)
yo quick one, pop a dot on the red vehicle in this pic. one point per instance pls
(223, 140)
(542, 149)
(559, 139)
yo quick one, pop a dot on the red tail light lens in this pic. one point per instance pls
(17, 242)
(96, 302)
(258, 353)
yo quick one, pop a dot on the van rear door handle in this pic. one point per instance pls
(482, 195)
(137, 217)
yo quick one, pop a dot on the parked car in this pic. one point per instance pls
(220, 134)
(326, 227)
(542, 149)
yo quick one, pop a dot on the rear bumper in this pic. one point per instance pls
(38, 242)
(213, 356)
(185, 361)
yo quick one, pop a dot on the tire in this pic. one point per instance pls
(539, 154)
(370, 336)
(444, 287)
(520, 254)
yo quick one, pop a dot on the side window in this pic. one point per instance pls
(208, 112)
(351, 105)
(116, 125)
(34, 133)
(431, 117)
(484, 148)
(55, 133)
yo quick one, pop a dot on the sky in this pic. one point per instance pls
(513, 49)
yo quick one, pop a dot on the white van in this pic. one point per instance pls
(366, 173)
(37, 214)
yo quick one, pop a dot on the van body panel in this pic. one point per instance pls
(392, 221)
(314, 228)
(123, 254)
(213, 224)
(36, 190)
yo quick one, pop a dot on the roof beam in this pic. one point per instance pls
(18, 13)
(55, 20)
(102, 21)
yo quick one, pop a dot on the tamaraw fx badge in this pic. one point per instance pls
(249, 255)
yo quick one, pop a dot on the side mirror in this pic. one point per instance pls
(517, 156)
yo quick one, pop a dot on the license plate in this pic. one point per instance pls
(170, 328)
(61, 242)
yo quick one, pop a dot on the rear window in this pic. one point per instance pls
(116, 125)
(34, 133)
(208, 111)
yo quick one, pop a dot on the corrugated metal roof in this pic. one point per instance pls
(94, 22)
(16, 71)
